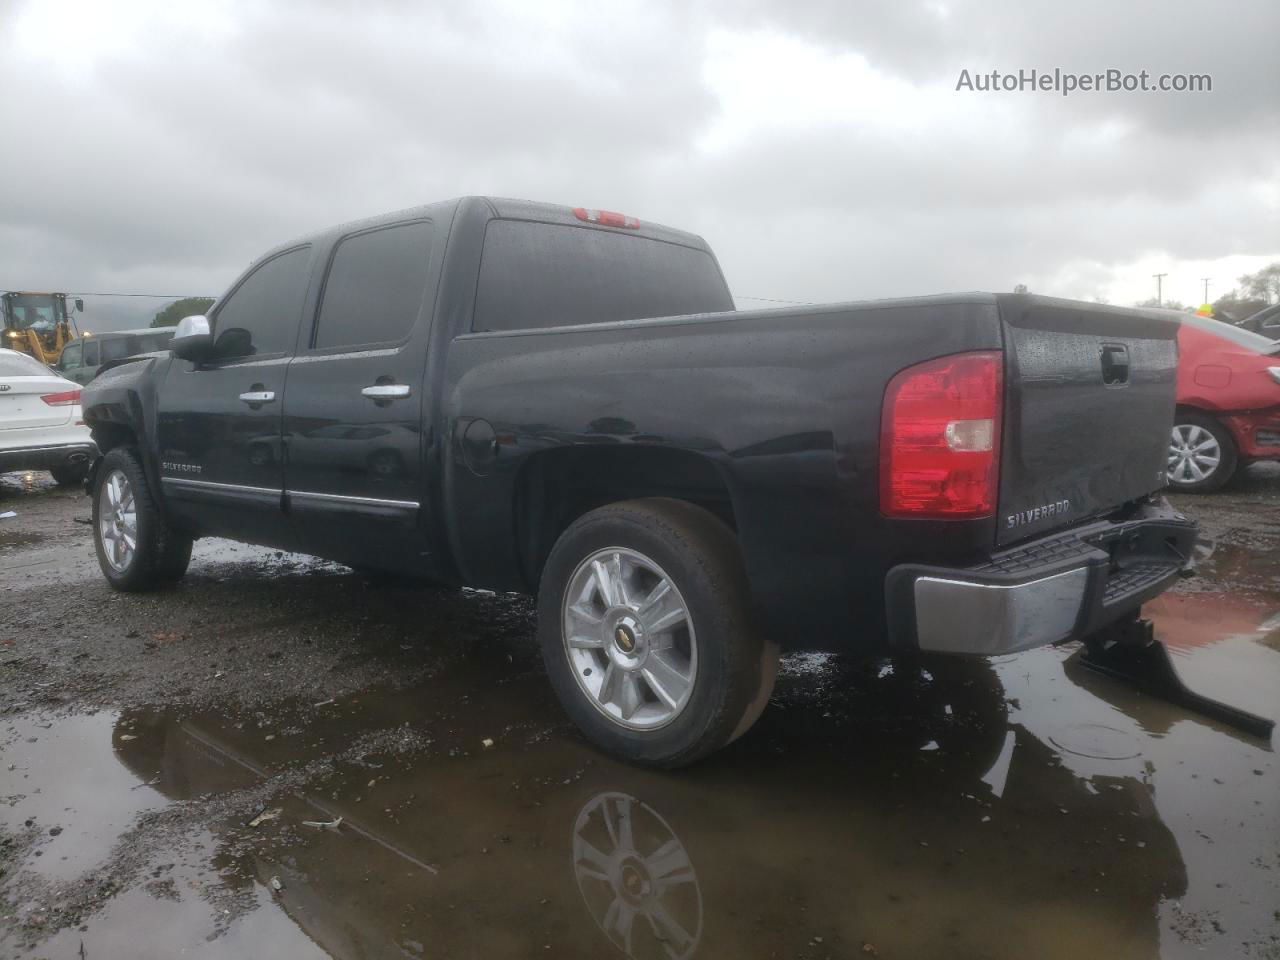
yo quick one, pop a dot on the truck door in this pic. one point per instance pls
(355, 406)
(221, 458)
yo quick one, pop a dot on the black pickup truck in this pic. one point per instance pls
(563, 402)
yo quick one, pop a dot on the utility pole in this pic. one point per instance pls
(1206, 289)
(1159, 287)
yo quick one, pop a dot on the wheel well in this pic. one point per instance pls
(108, 436)
(558, 486)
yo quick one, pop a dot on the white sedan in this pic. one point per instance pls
(41, 427)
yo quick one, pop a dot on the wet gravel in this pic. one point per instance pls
(1021, 807)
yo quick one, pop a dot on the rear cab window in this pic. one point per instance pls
(535, 274)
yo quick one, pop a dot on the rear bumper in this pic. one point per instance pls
(1057, 588)
(45, 456)
(1256, 432)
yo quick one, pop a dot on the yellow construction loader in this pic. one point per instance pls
(38, 324)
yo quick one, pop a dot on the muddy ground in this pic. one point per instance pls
(165, 761)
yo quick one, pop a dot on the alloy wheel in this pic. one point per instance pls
(1194, 453)
(117, 521)
(629, 638)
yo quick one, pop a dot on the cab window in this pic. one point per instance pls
(151, 342)
(544, 275)
(115, 348)
(374, 288)
(261, 315)
(71, 355)
(91, 353)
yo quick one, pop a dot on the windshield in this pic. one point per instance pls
(1237, 335)
(150, 342)
(34, 311)
(13, 364)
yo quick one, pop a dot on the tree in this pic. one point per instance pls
(186, 307)
(1232, 305)
(1166, 304)
(1020, 288)
(1263, 285)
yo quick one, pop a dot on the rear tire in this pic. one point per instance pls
(1202, 454)
(664, 681)
(138, 549)
(69, 475)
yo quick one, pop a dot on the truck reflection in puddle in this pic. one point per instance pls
(890, 807)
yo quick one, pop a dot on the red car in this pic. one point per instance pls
(1228, 403)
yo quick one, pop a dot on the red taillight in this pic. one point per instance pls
(606, 218)
(67, 398)
(940, 438)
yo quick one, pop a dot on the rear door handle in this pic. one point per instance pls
(387, 391)
(258, 396)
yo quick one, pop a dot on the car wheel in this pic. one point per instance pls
(647, 632)
(69, 475)
(1202, 454)
(137, 547)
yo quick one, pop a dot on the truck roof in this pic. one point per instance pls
(501, 207)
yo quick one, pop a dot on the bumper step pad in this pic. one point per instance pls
(1129, 651)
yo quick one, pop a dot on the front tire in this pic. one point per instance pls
(137, 547)
(1202, 454)
(647, 632)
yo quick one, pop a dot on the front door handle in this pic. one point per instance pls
(258, 396)
(387, 391)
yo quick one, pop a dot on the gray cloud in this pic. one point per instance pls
(171, 160)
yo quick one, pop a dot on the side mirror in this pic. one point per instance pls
(80, 304)
(192, 340)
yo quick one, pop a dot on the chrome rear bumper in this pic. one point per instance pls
(1058, 588)
(959, 616)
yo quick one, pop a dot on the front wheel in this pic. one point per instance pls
(137, 547)
(1202, 454)
(647, 632)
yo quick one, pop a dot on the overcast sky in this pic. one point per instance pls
(822, 148)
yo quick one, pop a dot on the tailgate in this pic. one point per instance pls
(1089, 405)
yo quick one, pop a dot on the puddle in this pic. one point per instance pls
(1097, 741)
(1019, 807)
(1241, 568)
(1062, 814)
(67, 787)
(26, 482)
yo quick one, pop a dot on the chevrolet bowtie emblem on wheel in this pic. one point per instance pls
(625, 643)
